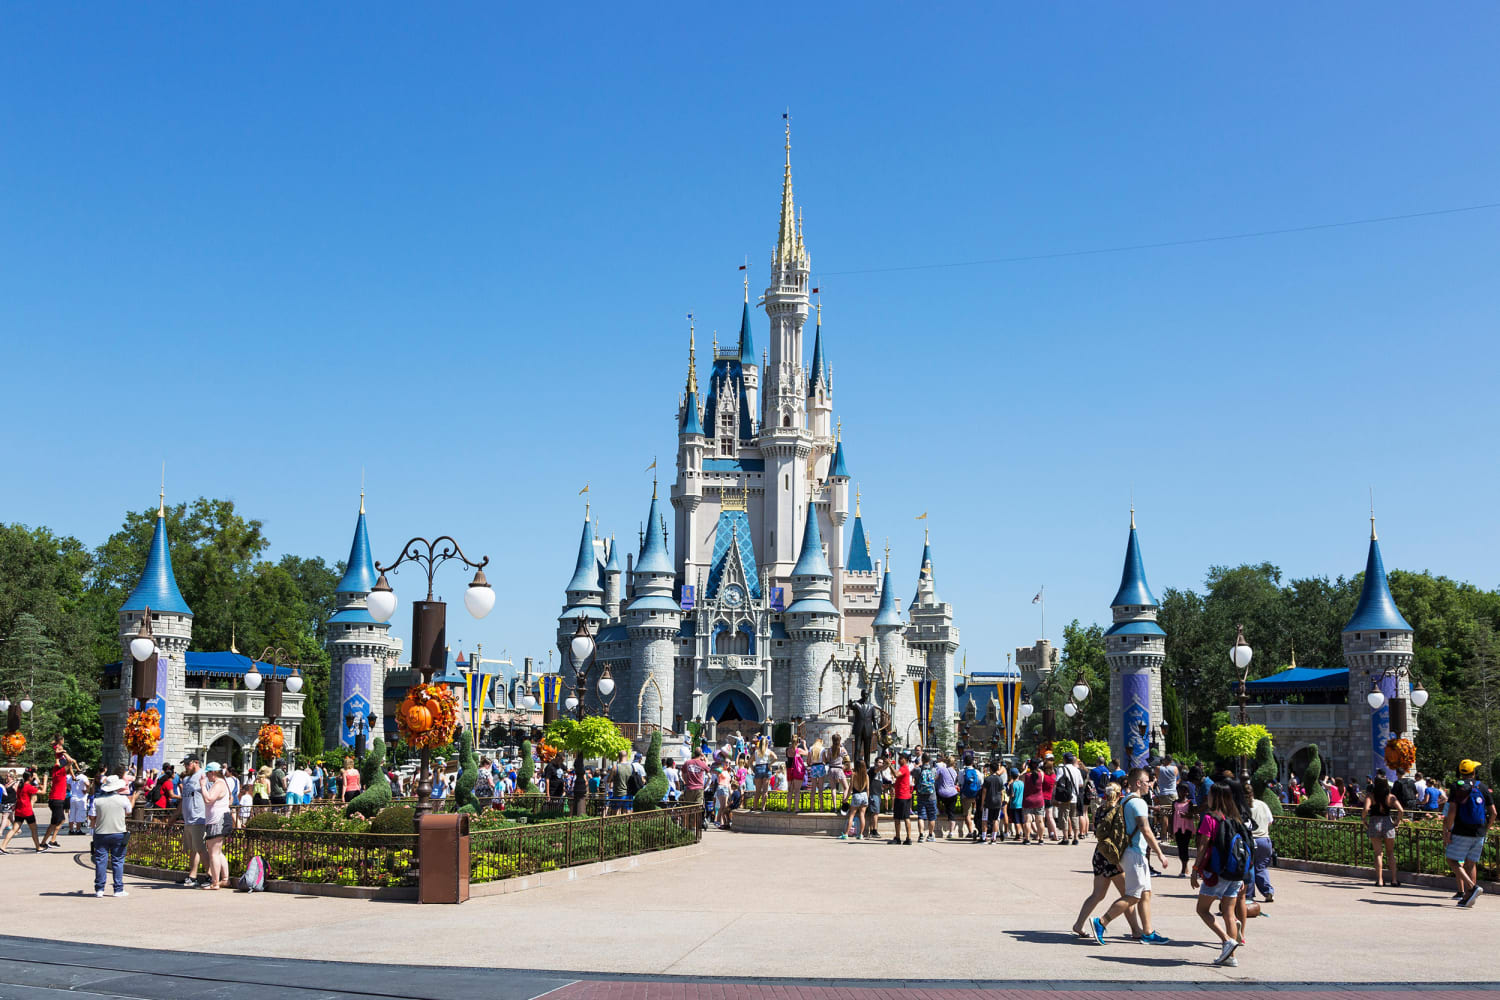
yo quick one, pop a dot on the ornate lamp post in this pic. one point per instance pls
(1376, 699)
(362, 727)
(1239, 655)
(429, 622)
(271, 700)
(142, 685)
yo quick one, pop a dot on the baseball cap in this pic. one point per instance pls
(1069, 758)
(213, 765)
(191, 758)
(1468, 766)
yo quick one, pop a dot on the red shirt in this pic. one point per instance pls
(166, 794)
(23, 800)
(693, 773)
(903, 782)
(1049, 782)
(58, 791)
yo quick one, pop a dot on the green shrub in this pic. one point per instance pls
(265, 821)
(377, 787)
(655, 788)
(326, 819)
(1233, 741)
(395, 819)
(1263, 773)
(526, 779)
(1315, 805)
(1064, 746)
(1095, 752)
(468, 775)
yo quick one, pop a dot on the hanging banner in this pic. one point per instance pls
(551, 688)
(476, 686)
(163, 668)
(1010, 712)
(355, 696)
(1380, 725)
(1136, 697)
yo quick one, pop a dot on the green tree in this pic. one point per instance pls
(1083, 660)
(593, 736)
(468, 774)
(526, 777)
(1315, 805)
(31, 667)
(78, 718)
(1171, 707)
(43, 575)
(655, 789)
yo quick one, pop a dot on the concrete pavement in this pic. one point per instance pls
(809, 908)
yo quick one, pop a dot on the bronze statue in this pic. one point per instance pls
(863, 725)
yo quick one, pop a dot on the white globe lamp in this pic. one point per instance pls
(252, 678)
(480, 597)
(382, 600)
(1080, 691)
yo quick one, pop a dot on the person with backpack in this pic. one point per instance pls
(970, 784)
(1382, 814)
(947, 796)
(1130, 835)
(1406, 792)
(1106, 872)
(1224, 865)
(925, 799)
(1466, 824)
(993, 799)
(1067, 794)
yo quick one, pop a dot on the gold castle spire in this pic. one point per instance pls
(857, 496)
(692, 358)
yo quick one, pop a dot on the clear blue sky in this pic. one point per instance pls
(272, 244)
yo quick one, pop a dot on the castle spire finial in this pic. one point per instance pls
(887, 552)
(1132, 517)
(692, 383)
(1373, 536)
(361, 489)
(1294, 654)
(161, 498)
(746, 268)
(857, 496)
(786, 242)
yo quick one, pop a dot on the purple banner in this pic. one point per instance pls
(355, 696)
(1135, 696)
(163, 668)
(1380, 723)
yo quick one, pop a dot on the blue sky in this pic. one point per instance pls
(274, 244)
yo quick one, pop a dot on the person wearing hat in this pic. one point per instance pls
(194, 817)
(1466, 824)
(111, 805)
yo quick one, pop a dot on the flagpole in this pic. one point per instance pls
(1043, 592)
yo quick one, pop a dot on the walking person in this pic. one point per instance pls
(1261, 818)
(78, 801)
(1183, 827)
(1224, 862)
(947, 796)
(7, 807)
(994, 798)
(57, 791)
(1033, 803)
(1135, 860)
(880, 785)
(1066, 793)
(1106, 873)
(970, 784)
(350, 783)
(26, 795)
(194, 818)
(926, 799)
(796, 774)
(111, 806)
(1382, 814)
(1015, 814)
(859, 801)
(1466, 824)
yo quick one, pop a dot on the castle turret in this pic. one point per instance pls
(156, 594)
(359, 647)
(612, 581)
(888, 627)
(687, 492)
(749, 366)
(1378, 652)
(1135, 646)
(819, 391)
(812, 621)
(653, 621)
(932, 631)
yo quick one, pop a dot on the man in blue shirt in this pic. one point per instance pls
(1099, 776)
(1135, 862)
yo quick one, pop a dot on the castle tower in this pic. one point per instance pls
(838, 516)
(785, 441)
(359, 647)
(156, 594)
(812, 621)
(888, 627)
(749, 367)
(687, 492)
(585, 594)
(933, 633)
(1135, 647)
(653, 621)
(819, 393)
(1377, 639)
(612, 581)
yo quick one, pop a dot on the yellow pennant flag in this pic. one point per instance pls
(922, 516)
(584, 490)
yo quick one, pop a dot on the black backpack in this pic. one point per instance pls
(1063, 790)
(1232, 851)
(1406, 792)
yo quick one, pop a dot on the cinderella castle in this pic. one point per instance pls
(770, 605)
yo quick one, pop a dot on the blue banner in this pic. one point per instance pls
(1136, 697)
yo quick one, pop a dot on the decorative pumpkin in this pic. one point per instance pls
(13, 744)
(1401, 755)
(419, 718)
(142, 732)
(270, 742)
(427, 716)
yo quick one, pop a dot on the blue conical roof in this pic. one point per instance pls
(654, 556)
(811, 561)
(926, 564)
(839, 468)
(586, 572)
(747, 339)
(1133, 589)
(157, 588)
(1377, 609)
(359, 574)
(613, 566)
(859, 549)
(887, 614)
(817, 374)
(691, 422)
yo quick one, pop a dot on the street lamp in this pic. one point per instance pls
(1376, 699)
(1239, 655)
(429, 625)
(271, 700)
(580, 650)
(361, 726)
(143, 655)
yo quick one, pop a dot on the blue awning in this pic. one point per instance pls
(1296, 680)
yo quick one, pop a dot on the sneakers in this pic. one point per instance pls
(119, 893)
(907, 841)
(1230, 962)
(99, 894)
(1153, 938)
(1098, 926)
(1471, 897)
(1075, 841)
(843, 836)
(190, 881)
(1226, 952)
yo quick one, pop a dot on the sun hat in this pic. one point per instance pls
(213, 765)
(112, 784)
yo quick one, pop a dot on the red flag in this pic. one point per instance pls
(815, 291)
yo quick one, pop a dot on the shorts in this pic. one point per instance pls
(927, 807)
(691, 796)
(874, 805)
(859, 800)
(836, 775)
(1137, 873)
(902, 809)
(1105, 868)
(949, 806)
(1464, 850)
(992, 815)
(1222, 889)
(1381, 827)
(220, 829)
(59, 811)
(28, 820)
(192, 836)
(762, 771)
(1080, 810)
(1031, 813)
(817, 771)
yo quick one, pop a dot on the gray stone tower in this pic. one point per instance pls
(812, 622)
(585, 598)
(932, 631)
(1377, 650)
(172, 628)
(888, 627)
(1135, 647)
(359, 647)
(612, 581)
(652, 621)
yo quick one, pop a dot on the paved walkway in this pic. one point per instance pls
(807, 909)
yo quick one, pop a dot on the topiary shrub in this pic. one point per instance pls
(655, 788)
(526, 779)
(265, 821)
(377, 787)
(1315, 805)
(1095, 752)
(1263, 774)
(395, 819)
(468, 776)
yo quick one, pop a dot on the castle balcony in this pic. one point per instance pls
(735, 662)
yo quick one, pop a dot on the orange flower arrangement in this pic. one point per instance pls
(428, 716)
(1401, 755)
(14, 744)
(546, 751)
(270, 742)
(142, 732)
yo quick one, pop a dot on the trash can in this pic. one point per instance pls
(444, 874)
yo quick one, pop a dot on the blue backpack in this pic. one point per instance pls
(1232, 854)
(927, 781)
(972, 783)
(1474, 811)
